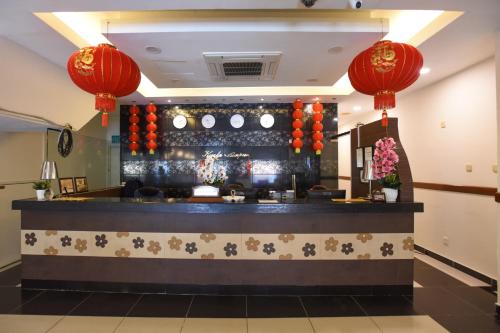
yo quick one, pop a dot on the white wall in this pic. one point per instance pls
(497, 62)
(466, 102)
(31, 84)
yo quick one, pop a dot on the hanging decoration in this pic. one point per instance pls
(151, 127)
(317, 127)
(106, 73)
(384, 69)
(134, 129)
(297, 124)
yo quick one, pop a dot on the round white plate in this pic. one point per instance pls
(208, 121)
(180, 121)
(267, 120)
(237, 121)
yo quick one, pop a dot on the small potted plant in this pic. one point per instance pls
(41, 187)
(385, 161)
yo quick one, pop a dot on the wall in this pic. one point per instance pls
(22, 155)
(32, 85)
(497, 71)
(466, 102)
(268, 162)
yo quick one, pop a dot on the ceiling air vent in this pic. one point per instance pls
(240, 66)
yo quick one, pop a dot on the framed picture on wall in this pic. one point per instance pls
(368, 153)
(359, 157)
(66, 185)
(81, 184)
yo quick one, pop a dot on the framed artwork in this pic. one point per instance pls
(359, 157)
(81, 184)
(368, 153)
(66, 185)
(378, 196)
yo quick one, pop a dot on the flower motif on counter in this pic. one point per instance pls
(51, 251)
(331, 244)
(81, 245)
(309, 250)
(121, 234)
(122, 253)
(364, 237)
(138, 242)
(191, 247)
(175, 243)
(252, 244)
(208, 237)
(30, 239)
(365, 256)
(230, 249)
(208, 256)
(347, 249)
(269, 248)
(66, 241)
(285, 238)
(50, 232)
(101, 241)
(287, 256)
(408, 244)
(154, 247)
(386, 249)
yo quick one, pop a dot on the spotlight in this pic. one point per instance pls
(308, 3)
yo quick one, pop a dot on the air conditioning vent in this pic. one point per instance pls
(238, 66)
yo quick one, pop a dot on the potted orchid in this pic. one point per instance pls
(210, 173)
(385, 161)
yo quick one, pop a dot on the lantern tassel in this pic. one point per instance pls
(318, 152)
(151, 152)
(105, 119)
(385, 119)
(297, 150)
(134, 153)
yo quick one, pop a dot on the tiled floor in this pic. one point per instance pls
(440, 303)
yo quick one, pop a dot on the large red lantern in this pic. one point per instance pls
(383, 70)
(106, 73)
(151, 127)
(297, 124)
(134, 129)
(317, 127)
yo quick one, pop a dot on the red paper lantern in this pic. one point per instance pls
(134, 129)
(317, 136)
(297, 124)
(317, 117)
(317, 127)
(384, 69)
(151, 127)
(318, 146)
(106, 73)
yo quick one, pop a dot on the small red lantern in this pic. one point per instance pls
(151, 127)
(384, 69)
(106, 73)
(297, 124)
(134, 129)
(317, 127)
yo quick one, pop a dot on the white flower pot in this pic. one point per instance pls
(391, 194)
(40, 194)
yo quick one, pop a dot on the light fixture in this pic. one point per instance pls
(335, 49)
(169, 101)
(356, 108)
(335, 119)
(262, 100)
(177, 106)
(425, 70)
(260, 107)
(153, 49)
(48, 170)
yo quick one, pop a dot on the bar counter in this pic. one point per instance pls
(179, 247)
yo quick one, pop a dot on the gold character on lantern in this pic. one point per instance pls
(84, 61)
(383, 57)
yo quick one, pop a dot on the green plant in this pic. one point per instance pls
(390, 181)
(41, 185)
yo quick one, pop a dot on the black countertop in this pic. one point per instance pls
(249, 207)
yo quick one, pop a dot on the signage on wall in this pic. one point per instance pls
(216, 156)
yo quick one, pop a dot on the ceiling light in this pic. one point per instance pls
(177, 106)
(169, 101)
(356, 108)
(316, 98)
(425, 70)
(260, 107)
(262, 100)
(312, 80)
(335, 50)
(153, 49)
(335, 119)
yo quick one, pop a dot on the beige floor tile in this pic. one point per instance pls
(214, 325)
(408, 324)
(344, 325)
(84, 324)
(150, 325)
(26, 323)
(279, 325)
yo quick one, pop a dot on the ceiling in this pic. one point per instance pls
(183, 30)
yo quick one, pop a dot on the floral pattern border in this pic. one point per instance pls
(222, 246)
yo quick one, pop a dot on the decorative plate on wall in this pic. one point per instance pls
(208, 121)
(180, 121)
(237, 120)
(267, 120)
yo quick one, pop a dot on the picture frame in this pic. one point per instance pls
(81, 184)
(368, 153)
(359, 157)
(378, 196)
(66, 185)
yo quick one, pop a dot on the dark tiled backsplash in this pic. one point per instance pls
(270, 161)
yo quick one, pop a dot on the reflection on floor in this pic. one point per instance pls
(440, 303)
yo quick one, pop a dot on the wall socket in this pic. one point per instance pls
(468, 167)
(443, 124)
(494, 168)
(446, 241)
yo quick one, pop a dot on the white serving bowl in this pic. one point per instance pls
(236, 198)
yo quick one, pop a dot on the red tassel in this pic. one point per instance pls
(385, 119)
(105, 119)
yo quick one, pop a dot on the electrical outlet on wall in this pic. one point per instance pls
(446, 241)
(443, 124)
(468, 167)
(494, 168)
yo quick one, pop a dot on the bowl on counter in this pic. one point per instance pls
(233, 198)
